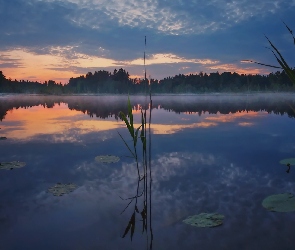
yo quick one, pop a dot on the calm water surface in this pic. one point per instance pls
(213, 153)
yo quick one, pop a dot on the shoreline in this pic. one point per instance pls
(159, 94)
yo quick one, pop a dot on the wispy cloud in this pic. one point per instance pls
(177, 17)
(7, 62)
(239, 69)
(76, 36)
(170, 58)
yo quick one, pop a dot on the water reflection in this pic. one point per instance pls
(108, 106)
(28, 116)
(228, 167)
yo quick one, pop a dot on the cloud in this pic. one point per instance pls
(6, 62)
(230, 67)
(177, 17)
(183, 36)
(170, 58)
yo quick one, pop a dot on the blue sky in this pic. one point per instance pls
(49, 39)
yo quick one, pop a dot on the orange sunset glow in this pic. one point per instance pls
(236, 116)
(59, 119)
(54, 66)
(56, 120)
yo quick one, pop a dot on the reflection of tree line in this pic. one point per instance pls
(108, 106)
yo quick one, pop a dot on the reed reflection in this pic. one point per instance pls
(142, 200)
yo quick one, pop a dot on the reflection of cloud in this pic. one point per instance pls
(165, 166)
(245, 123)
(172, 164)
(233, 117)
(59, 121)
(171, 129)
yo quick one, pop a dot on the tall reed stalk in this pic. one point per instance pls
(144, 170)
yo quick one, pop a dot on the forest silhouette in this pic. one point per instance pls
(119, 82)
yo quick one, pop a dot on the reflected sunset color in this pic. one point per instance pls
(25, 123)
(209, 153)
(237, 117)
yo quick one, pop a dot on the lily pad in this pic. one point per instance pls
(60, 189)
(2, 138)
(107, 159)
(205, 220)
(11, 165)
(290, 161)
(280, 202)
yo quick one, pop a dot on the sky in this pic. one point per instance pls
(56, 40)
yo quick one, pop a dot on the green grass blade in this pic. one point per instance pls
(288, 71)
(130, 113)
(133, 155)
(291, 32)
(130, 128)
(263, 64)
(142, 127)
(136, 135)
(277, 51)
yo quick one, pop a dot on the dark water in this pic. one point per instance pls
(209, 154)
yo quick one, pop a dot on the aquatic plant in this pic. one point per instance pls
(60, 189)
(144, 175)
(280, 202)
(290, 161)
(137, 133)
(280, 59)
(107, 159)
(11, 165)
(205, 220)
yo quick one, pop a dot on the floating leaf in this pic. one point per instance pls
(2, 138)
(11, 165)
(280, 202)
(205, 220)
(290, 161)
(60, 189)
(107, 159)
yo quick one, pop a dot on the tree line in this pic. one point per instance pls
(119, 82)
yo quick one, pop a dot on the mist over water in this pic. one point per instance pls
(210, 153)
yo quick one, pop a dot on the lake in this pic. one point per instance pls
(213, 153)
